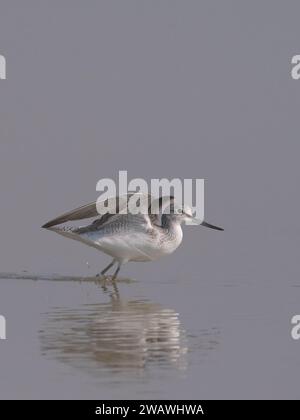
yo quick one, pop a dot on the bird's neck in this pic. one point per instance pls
(172, 230)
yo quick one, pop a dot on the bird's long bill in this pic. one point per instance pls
(211, 226)
(195, 221)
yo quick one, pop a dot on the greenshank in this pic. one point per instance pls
(145, 236)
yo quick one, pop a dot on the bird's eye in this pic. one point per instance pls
(179, 211)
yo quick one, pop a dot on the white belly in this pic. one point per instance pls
(133, 246)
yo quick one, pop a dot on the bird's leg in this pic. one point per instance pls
(116, 272)
(106, 268)
(115, 296)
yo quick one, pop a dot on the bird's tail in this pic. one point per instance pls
(66, 231)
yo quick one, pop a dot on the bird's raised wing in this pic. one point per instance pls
(84, 212)
(99, 210)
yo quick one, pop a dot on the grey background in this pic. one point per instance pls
(189, 89)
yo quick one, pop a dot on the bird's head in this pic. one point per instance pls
(183, 214)
(179, 213)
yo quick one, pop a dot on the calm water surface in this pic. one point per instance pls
(80, 337)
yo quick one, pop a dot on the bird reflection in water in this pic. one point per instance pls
(119, 335)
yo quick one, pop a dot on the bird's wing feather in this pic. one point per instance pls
(117, 223)
(83, 212)
(91, 210)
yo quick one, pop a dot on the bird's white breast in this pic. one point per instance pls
(136, 246)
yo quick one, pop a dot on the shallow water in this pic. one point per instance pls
(85, 338)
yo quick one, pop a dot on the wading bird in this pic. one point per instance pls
(145, 236)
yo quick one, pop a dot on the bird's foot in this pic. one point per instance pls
(105, 278)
